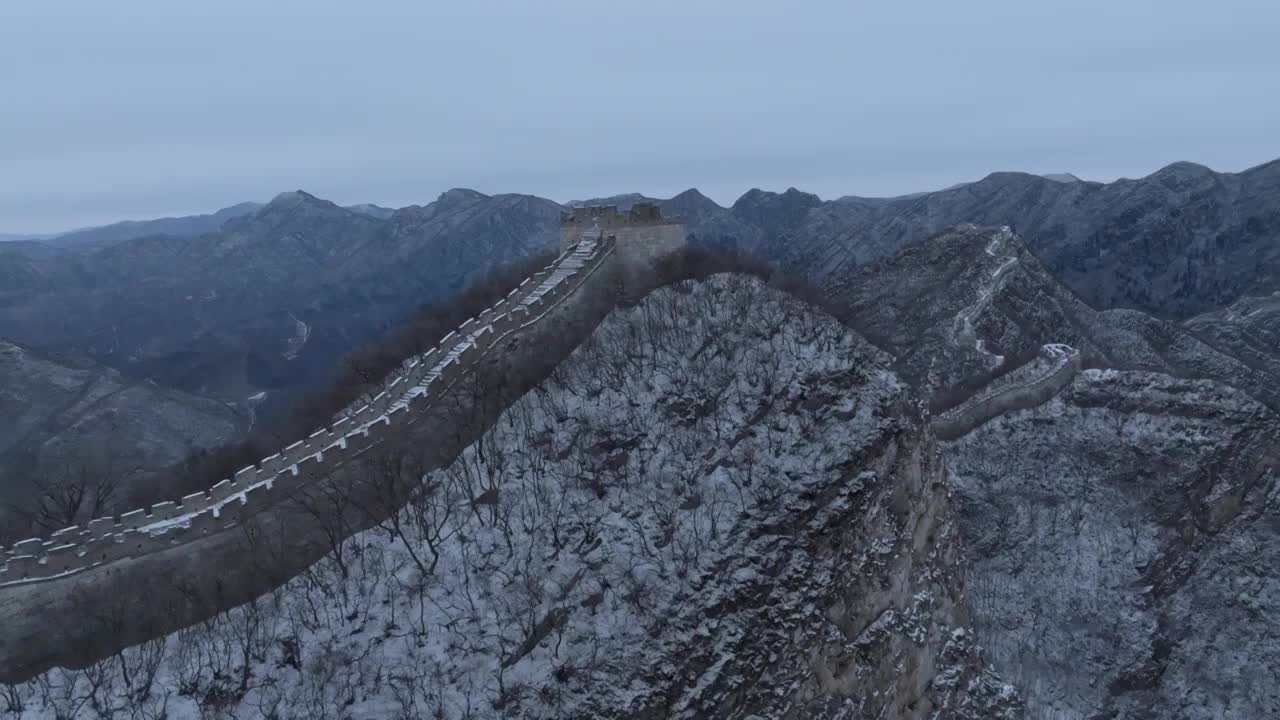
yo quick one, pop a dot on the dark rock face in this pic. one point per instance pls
(1119, 533)
(1120, 537)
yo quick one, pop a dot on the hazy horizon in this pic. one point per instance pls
(148, 110)
(724, 200)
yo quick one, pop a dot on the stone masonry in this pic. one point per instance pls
(644, 237)
(250, 532)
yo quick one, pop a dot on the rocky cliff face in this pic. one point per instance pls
(723, 504)
(1123, 538)
(1119, 534)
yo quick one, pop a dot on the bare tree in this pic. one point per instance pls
(413, 506)
(74, 491)
(330, 508)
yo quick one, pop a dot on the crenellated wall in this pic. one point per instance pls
(644, 238)
(961, 420)
(122, 580)
(420, 382)
(608, 218)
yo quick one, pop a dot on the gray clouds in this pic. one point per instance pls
(139, 108)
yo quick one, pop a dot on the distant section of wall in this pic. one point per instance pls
(965, 418)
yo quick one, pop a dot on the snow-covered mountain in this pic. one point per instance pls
(723, 503)
(216, 313)
(727, 503)
(1123, 542)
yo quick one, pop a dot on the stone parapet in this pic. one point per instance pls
(413, 390)
(961, 420)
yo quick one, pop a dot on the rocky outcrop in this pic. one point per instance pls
(1119, 537)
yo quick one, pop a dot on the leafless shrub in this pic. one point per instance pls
(85, 486)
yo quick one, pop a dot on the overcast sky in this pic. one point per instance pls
(139, 108)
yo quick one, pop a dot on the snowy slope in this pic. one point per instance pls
(720, 505)
(1123, 545)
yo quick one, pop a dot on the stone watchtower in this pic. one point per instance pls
(644, 240)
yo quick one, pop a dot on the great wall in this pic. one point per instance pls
(82, 592)
(1065, 362)
(422, 381)
(117, 581)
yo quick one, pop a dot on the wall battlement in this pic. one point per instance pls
(641, 226)
(89, 591)
(419, 383)
(644, 238)
(606, 216)
(967, 416)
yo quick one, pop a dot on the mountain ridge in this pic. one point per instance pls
(1147, 473)
(1178, 243)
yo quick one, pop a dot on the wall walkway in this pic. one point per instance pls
(123, 580)
(971, 414)
(422, 380)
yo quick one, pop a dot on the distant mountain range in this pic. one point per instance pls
(260, 298)
(1179, 242)
(1182, 241)
(189, 226)
(270, 299)
(184, 226)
